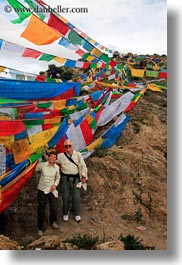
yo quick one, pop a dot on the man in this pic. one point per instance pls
(73, 171)
(49, 180)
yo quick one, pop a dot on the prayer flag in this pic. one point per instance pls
(58, 25)
(19, 9)
(31, 53)
(39, 32)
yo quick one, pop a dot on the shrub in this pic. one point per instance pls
(132, 243)
(83, 242)
(138, 215)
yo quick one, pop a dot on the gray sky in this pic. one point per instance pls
(137, 26)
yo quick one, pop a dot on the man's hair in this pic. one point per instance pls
(52, 153)
(68, 140)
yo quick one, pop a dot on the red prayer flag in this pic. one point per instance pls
(9, 195)
(112, 63)
(57, 24)
(11, 127)
(163, 75)
(31, 53)
(86, 65)
(40, 78)
(86, 131)
(80, 52)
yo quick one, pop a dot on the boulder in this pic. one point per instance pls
(7, 244)
(111, 245)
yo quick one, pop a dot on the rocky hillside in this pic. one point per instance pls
(127, 187)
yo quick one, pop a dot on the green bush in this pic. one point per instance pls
(83, 242)
(132, 243)
(138, 215)
(100, 152)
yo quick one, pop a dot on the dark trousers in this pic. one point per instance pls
(42, 199)
(70, 192)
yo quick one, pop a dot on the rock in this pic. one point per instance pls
(7, 244)
(112, 245)
(67, 246)
(46, 242)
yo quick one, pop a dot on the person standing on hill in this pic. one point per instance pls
(49, 180)
(73, 176)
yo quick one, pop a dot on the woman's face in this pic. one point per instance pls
(52, 159)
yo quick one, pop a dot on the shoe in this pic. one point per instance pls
(54, 225)
(77, 218)
(40, 233)
(65, 217)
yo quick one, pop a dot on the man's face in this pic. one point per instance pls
(69, 147)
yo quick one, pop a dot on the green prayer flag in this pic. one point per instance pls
(93, 124)
(50, 79)
(85, 56)
(93, 65)
(84, 106)
(119, 66)
(152, 73)
(33, 122)
(105, 58)
(35, 157)
(136, 96)
(65, 111)
(46, 57)
(45, 105)
(20, 10)
(34, 7)
(74, 38)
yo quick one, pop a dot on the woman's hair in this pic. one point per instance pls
(52, 153)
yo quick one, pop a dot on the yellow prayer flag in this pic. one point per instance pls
(92, 41)
(154, 87)
(137, 72)
(7, 141)
(40, 139)
(52, 120)
(71, 107)
(90, 58)
(2, 68)
(137, 99)
(143, 91)
(59, 104)
(60, 60)
(89, 118)
(21, 150)
(3, 118)
(90, 79)
(96, 52)
(95, 144)
(39, 33)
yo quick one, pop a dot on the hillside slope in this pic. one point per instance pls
(127, 186)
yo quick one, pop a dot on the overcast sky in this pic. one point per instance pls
(137, 26)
